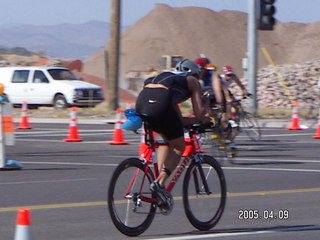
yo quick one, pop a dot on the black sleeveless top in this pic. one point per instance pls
(176, 83)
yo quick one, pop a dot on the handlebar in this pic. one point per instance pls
(249, 95)
(200, 128)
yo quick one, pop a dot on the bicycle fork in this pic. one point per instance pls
(199, 171)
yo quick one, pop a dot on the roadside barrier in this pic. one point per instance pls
(73, 128)
(24, 121)
(118, 132)
(23, 225)
(7, 137)
(295, 125)
(317, 136)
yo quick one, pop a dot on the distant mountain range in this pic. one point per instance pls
(78, 41)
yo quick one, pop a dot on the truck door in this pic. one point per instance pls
(19, 86)
(39, 89)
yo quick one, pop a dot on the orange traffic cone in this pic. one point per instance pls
(23, 231)
(73, 128)
(24, 122)
(295, 118)
(129, 104)
(118, 132)
(317, 136)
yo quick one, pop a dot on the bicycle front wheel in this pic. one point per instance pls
(250, 126)
(129, 199)
(204, 193)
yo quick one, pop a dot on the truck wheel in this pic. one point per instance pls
(60, 102)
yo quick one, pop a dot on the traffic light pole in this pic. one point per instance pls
(252, 54)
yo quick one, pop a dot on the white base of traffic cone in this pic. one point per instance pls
(23, 231)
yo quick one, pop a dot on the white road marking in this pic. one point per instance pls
(278, 160)
(216, 235)
(272, 169)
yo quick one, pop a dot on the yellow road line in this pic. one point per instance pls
(273, 192)
(103, 203)
(50, 206)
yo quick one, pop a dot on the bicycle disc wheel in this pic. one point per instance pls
(250, 126)
(204, 193)
(129, 197)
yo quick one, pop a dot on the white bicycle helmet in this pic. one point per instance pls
(188, 66)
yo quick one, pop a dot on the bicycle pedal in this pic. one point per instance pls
(166, 207)
(233, 153)
(215, 136)
(223, 147)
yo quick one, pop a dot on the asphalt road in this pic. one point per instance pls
(64, 184)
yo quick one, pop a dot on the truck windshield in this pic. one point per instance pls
(62, 74)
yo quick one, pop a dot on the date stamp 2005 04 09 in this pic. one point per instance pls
(253, 214)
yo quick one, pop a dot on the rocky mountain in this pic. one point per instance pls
(221, 36)
(78, 41)
(287, 84)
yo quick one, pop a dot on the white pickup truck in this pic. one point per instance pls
(48, 86)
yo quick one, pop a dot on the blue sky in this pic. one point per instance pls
(43, 12)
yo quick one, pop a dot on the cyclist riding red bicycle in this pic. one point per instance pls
(157, 104)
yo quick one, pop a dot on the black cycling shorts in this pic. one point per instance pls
(154, 104)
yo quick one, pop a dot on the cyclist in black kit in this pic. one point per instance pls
(157, 103)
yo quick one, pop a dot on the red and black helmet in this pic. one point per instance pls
(202, 62)
(227, 70)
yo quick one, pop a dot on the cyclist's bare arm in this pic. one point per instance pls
(198, 108)
(217, 87)
(239, 83)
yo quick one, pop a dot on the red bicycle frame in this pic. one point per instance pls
(148, 154)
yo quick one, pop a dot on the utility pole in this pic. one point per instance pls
(252, 54)
(113, 55)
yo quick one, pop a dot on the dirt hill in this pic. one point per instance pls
(221, 36)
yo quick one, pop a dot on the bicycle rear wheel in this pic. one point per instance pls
(129, 198)
(204, 193)
(250, 126)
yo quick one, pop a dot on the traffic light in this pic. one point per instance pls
(266, 19)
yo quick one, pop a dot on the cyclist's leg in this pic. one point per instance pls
(170, 128)
(229, 131)
(168, 158)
